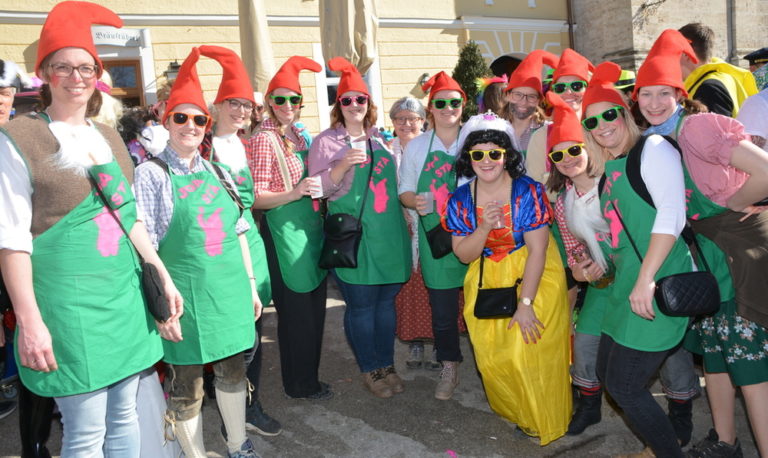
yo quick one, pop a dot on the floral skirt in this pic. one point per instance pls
(731, 343)
(414, 314)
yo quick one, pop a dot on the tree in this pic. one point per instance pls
(471, 65)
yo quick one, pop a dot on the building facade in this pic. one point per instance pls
(413, 39)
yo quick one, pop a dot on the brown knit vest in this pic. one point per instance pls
(56, 192)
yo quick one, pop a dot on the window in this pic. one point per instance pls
(126, 81)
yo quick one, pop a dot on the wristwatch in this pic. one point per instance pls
(526, 301)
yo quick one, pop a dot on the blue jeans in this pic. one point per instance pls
(101, 423)
(369, 322)
(625, 373)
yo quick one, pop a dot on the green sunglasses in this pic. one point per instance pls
(281, 99)
(608, 115)
(442, 103)
(574, 86)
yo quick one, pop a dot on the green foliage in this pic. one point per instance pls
(471, 65)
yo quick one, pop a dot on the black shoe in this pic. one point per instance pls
(324, 394)
(6, 407)
(258, 420)
(681, 416)
(587, 413)
(712, 447)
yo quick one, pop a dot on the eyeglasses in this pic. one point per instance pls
(442, 103)
(519, 96)
(574, 86)
(478, 155)
(358, 99)
(608, 115)
(65, 70)
(281, 99)
(181, 119)
(236, 105)
(401, 121)
(573, 151)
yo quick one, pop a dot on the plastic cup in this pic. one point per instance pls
(430, 202)
(316, 189)
(361, 145)
(499, 224)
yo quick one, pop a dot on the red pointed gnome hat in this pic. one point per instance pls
(442, 82)
(573, 64)
(528, 73)
(662, 66)
(566, 126)
(288, 75)
(186, 88)
(601, 87)
(235, 82)
(68, 25)
(351, 80)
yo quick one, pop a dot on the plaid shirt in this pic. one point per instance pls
(263, 162)
(154, 192)
(570, 242)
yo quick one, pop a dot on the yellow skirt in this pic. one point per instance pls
(528, 384)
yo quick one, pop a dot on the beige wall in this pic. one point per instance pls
(406, 50)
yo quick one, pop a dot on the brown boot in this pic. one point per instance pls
(449, 380)
(394, 380)
(377, 384)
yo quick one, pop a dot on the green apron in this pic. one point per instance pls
(86, 281)
(203, 255)
(244, 181)
(384, 255)
(623, 325)
(297, 229)
(438, 176)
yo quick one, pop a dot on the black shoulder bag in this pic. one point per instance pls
(493, 302)
(343, 233)
(684, 294)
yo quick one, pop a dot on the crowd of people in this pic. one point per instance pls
(541, 226)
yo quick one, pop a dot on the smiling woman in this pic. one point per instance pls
(427, 178)
(636, 338)
(500, 226)
(357, 171)
(70, 271)
(193, 211)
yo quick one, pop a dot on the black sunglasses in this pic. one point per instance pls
(281, 99)
(200, 120)
(575, 86)
(359, 99)
(442, 103)
(608, 115)
(572, 151)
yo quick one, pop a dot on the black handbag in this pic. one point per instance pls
(343, 233)
(439, 240)
(494, 302)
(686, 294)
(151, 283)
